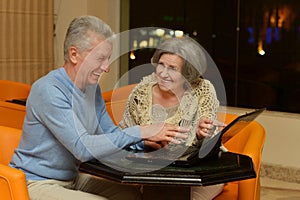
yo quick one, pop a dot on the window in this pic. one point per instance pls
(255, 44)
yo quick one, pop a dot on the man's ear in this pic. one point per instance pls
(73, 54)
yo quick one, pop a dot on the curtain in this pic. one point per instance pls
(26, 39)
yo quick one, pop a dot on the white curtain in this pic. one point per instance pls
(26, 39)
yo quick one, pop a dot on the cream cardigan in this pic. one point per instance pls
(200, 102)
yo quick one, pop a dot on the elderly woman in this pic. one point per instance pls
(176, 93)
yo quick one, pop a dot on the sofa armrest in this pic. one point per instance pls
(12, 184)
(12, 114)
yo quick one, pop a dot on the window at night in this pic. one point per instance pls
(255, 44)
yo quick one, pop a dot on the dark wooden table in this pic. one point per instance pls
(225, 168)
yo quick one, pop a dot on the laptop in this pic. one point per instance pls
(207, 148)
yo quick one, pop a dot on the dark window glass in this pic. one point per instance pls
(255, 44)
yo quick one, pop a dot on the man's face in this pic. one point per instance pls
(92, 63)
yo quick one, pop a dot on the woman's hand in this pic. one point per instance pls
(162, 134)
(206, 127)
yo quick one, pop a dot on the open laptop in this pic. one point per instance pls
(207, 148)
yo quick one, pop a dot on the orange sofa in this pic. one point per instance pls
(12, 181)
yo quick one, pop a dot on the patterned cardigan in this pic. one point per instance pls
(199, 102)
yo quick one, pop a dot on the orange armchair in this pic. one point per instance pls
(13, 90)
(116, 101)
(12, 114)
(118, 93)
(12, 181)
(116, 109)
(249, 141)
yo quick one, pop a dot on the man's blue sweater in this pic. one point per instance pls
(63, 127)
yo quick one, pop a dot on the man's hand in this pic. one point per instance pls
(155, 145)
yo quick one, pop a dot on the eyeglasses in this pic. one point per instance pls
(170, 70)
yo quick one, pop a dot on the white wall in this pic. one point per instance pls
(66, 10)
(282, 145)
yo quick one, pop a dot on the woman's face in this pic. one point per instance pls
(168, 72)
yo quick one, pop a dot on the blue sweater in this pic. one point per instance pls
(63, 127)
